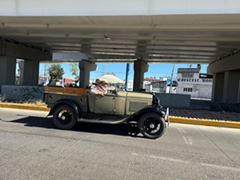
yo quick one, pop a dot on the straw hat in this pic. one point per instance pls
(104, 81)
(97, 81)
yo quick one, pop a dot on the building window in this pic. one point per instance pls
(187, 89)
(187, 75)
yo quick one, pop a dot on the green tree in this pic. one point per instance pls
(74, 70)
(55, 72)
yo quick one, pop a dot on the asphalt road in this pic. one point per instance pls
(31, 148)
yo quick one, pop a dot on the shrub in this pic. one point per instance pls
(215, 107)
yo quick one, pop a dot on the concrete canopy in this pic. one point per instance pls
(123, 31)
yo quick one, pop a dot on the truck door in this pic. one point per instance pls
(105, 104)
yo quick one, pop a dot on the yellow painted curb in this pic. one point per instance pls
(27, 107)
(206, 122)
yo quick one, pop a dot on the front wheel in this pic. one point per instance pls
(64, 117)
(151, 125)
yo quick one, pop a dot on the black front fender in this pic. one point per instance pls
(67, 102)
(136, 116)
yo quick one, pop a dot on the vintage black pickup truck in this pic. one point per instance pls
(70, 105)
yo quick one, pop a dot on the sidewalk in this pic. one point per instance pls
(176, 119)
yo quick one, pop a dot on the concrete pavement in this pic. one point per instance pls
(184, 120)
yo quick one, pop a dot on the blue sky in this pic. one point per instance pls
(119, 69)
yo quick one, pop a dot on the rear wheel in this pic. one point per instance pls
(64, 117)
(151, 125)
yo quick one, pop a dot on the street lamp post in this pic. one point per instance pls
(170, 91)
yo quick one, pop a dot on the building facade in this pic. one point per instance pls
(190, 83)
(154, 85)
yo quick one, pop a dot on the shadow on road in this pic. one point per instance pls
(120, 129)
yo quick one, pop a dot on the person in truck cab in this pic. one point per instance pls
(104, 85)
(100, 87)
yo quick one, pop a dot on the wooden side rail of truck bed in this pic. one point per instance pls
(66, 90)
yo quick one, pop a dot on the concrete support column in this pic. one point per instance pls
(231, 87)
(140, 67)
(7, 70)
(217, 87)
(29, 72)
(85, 68)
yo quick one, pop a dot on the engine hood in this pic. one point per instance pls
(135, 94)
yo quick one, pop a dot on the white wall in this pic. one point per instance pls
(205, 91)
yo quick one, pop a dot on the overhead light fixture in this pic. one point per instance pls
(107, 38)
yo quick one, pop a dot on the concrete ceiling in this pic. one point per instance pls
(156, 38)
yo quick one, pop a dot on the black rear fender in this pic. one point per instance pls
(67, 102)
(136, 116)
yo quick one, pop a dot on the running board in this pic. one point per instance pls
(102, 121)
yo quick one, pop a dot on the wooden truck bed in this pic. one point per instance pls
(53, 94)
(66, 90)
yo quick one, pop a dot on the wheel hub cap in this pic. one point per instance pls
(63, 118)
(151, 125)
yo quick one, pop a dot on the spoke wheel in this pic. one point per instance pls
(151, 125)
(64, 117)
